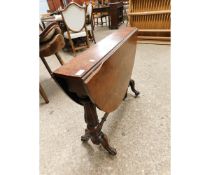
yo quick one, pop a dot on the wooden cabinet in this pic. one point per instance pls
(152, 18)
(116, 14)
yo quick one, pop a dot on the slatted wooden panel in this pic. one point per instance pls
(152, 17)
(149, 5)
(153, 21)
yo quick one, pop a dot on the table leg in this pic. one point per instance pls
(93, 130)
(132, 85)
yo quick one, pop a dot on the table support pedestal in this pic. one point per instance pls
(93, 130)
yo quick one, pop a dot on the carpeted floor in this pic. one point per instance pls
(139, 129)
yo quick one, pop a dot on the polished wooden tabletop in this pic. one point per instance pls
(103, 71)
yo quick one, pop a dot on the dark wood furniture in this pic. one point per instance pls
(99, 77)
(116, 14)
(102, 11)
(51, 42)
(98, 9)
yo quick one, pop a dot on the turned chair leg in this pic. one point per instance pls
(97, 21)
(59, 58)
(93, 37)
(101, 21)
(43, 94)
(72, 46)
(46, 65)
(87, 42)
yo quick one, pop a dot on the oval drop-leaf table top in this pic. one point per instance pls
(104, 69)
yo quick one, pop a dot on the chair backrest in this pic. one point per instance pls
(50, 40)
(47, 33)
(74, 17)
(90, 10)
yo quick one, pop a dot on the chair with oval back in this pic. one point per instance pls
(74, 17)
(51, 42)
(90, 26)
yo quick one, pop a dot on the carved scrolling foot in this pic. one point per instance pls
(101, 138)
(132, 85)
(85, 137)
(93, 130)
(104, 142)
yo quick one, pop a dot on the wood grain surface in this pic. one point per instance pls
(101, 73)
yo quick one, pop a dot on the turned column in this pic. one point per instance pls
(93, 130)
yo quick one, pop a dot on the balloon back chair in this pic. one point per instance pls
(74, 17)
(51, 42)
(90, 26)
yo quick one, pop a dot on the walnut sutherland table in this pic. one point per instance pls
(99, 77)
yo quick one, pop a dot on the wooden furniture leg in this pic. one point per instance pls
(132, 85)
(126, 94)
(87, 42)
(92, 33)
(43, 94)
(43, 25)
(46, 65)
(72, 46)
(94, 127)
(59, 58)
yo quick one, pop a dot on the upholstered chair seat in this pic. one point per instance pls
(58, 17)
(75, 35)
